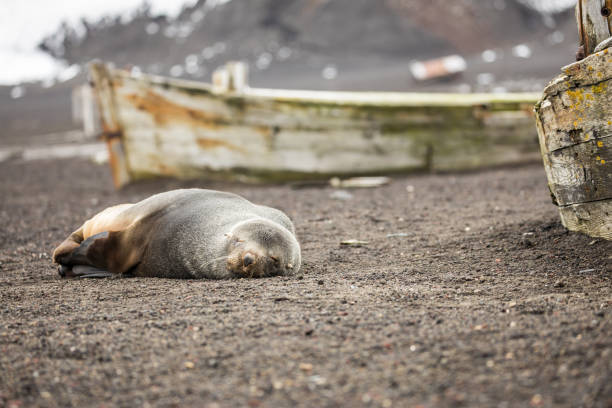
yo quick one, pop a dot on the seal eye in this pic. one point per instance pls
(275, 259)
(238, 242)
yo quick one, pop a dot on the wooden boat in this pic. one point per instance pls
(574, 120)
(158, 126)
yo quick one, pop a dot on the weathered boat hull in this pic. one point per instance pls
(168, 127)
(574, 121)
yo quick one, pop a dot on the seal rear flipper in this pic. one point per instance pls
(83, 271)
(114, 251)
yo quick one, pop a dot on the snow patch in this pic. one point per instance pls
(22, 66)
(263, 61)
(549, 6)
(24, 24)
(489, 56)
(521, 51)
(329, 72)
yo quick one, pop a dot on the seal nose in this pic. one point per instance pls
(248, 259)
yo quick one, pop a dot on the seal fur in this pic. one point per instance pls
(191, 233)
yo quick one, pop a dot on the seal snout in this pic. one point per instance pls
(248, 259)
(251, 265)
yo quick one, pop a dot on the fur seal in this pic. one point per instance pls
(190, 233)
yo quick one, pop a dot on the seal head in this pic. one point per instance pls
(258, 248)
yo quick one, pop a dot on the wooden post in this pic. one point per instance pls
(231, 77)
(594, 18)
(84, 111)
(111, 128)
(574, 121)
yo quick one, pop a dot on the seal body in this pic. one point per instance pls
(190, 233)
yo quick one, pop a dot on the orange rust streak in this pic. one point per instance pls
(164, 111)
(114, 161)
(213, 144)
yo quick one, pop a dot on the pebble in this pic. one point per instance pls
(341, 195)
(305, 366)
(536, 400)
(317, 379)
(559, 284)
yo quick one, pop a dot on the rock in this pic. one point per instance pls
(341, 195)
(359, 182)
(397, 234)
(353, 242)
(305, 366)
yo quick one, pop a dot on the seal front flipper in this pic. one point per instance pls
(91, 252)
(70, 244)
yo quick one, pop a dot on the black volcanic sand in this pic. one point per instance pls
(483, 299)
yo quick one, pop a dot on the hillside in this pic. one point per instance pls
(316, 44)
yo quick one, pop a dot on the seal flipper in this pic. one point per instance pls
(69, 245)
(91, 252)
(106, 252)
(83, 271)
(86, 260)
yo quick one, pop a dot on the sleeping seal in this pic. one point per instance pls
(190, 233)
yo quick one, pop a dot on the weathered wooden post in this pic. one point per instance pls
(594, 25)
(111, 127)
(231, 77)
(574, 121)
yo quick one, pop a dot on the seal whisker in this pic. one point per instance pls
(221, 258)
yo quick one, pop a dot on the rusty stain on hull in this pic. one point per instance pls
(206, 144)
(164, 111)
